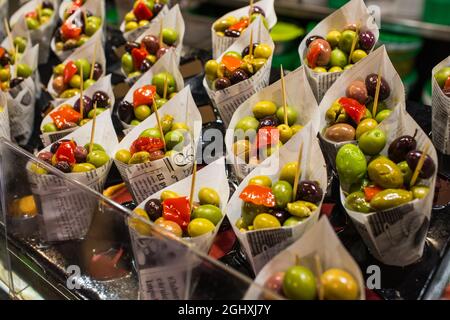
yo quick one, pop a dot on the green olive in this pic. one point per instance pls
(170, 36)
(83, 122)
(406, 172)
(420, 192)
(301, 209)
(209, 212)
(200, 226)
(249, 212)
(292, 221)
(129, 26)
(59, 69)
(166, 123)
(211, 69)
(127, 63)
(75, 82)
(390, 198)
(179, 126)
(247, 123)
(4, 75)
(24, 70)
(140, 157)
(174, 140)
(20, 43)
(130, 17)
(82, 167)
(88, 83)
(233, 54)
(265, 221)
(288, 171)
(221, 25)
(264, 181)
(142, 112)
(49, 127)
(134, 122)
(292, 115)
(32, 23)
(98, 158)
(209, 196)
(97, 112)
(296, 128)
(262, 50)
(282, 190)
(258, 64)
(95, 147)
(36, 168)
(67, 94)
(356, 201)
(151, 133)
(385, 173)
(285, 132)
(123, 156)
(85, 65)
(263, 109)
(167, 194)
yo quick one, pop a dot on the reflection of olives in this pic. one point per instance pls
(311, 39)
(371, 86)
(428, 167)
(125, 111)
(238, 75)
(309, 191)
(154, 209)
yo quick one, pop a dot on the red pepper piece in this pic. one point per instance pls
(371, 191)
(31, 14)
(70, 70)
(142, 12)
(78, 2)
(258, 195)
(70, 30)
(353, 108)
(64, 115)
(66, 152)
(267, 136)
(144, 96)
(146, 144)
(178, 211)
(447, 83)
(240, 26)
(231, 63)
(312, 56)
(139, 56)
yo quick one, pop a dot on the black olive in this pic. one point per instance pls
(5, 59)
(232, 33)
(309, 191)
(157, 7)
(98, 71)
(246, 50)
(311, 39)
(130, 45)
(238, 75)
(46, 156)
(281, 215)
(400, 147)
(428, 168)
(47, 5)
(101, 98)
(87, 105)
(69, 125)
(15, 82)
(63, 166)
(154, 209)
(151, 43)
(371, 85)
(125, 111)
(145, 66)
(222, 83)
(258, 10)
(269, 121)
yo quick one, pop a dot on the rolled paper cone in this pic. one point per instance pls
(297, 172)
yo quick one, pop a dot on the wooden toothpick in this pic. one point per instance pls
(355, 40)
(419, 165)
(94, 119)
(377, 93)
(94, 58)
(158, 120)
(251, 8)
(319, 273)
(10, 37)
(165, 87)
(81, 93)
(250, 52)
(297, 172)
(283, 90)
(161, 43)
(194, 175)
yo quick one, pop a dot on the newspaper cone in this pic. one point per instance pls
(78, 16)
(397, 236)
(370, 64)
(90, 5)
(167, 63)
(221, 44)
(4, 118)
(21, 101)
(229, 99)
(43, 34)
(86, 52)
(145, 179)
(441, 112)
(355, 11)
(298, 95)
(65, 212)
(320, 240)
(103, 84)
(261, 246)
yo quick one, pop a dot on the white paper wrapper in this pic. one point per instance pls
(88, 5)
(320, 240)
(167, 63)
(134, 34)
(397, 236)
(298, 95)
(4, 118)
(261, 246)
(103, 84)
(145, 179)
(86, 52)
(221, 44)
(355, 11)
(370, 64)
(229, 99)
(97, 9)
(43, 35)
(440, 112)
(65, 212)
(21, 101)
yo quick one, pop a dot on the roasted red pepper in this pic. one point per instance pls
(144, 96)
(31, 14)
(231, 63)
(240, 26)
(70, 70)
(142, 12)
(139, 56)
(66, 152)
(70, 30)
(371, 191)
(447, 83)
(258, 195)
(64, 115)
(312, 56)
(146, 144)
(353, 108)
(267, 136)
(178, 211)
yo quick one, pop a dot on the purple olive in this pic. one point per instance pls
(130, 45)
(238, 75)
(246, 50)
(161, 52)
(87, 106)
(154, 209)
(63, 166)
(311, 39)
(269, 121)
(309, 191)
(258, 10)
(80, 153)
(125, 111)
(151, 43)
(232, 33)
(145, 65)
(399, 148)
(371, 86)
(101, 98)
(281, 215)
(47, 5)
(366, 40)
(222, 83)
(5, 58)
(157, 7)
(46, 156)
(428, 168)
(98, 71)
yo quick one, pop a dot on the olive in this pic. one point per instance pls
(311, 39)
(97, 113)
(264, 181)
(15, 82)
(246, 50)
(428, 168)
(265, 221)
(24, 70)
(269, 121)
(232, 33)
(125, 111)
(301, 209)
(200, 226)
(123, 156)
(366, 40)
(157, 7)
(292, 221)
(5, 59)
(281, 215)
(319, 53)
(70, 44)
(47, 5)
(161, 52)
(82, 167)
(69, 125)
(139, 157)
(399, 148)
(274, 283)
(209, 196)
(145, 66)
(46, 156)
(385, 173)
(309, 191)
(151, 43)
(209, 212)
(97, 158)
(63, 166)
(371, 86)
(170, 36)
(169, 226)
(288, 171)
(55, 146)
(87, 106)
(338, 284)
(340, 132)
(80, 154)
(101, 98)
(238, 75)
(154, 209)
(264, 109)
(241, 149)
(420, 191)
(95, 147)
(168, 194)
(390, 198)
(58, 84)
(98, 71)
(156, 155)
(222, 83)
(356, 201)
(357, 90)
(174, 139)
(282, 190)
(130, 45)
